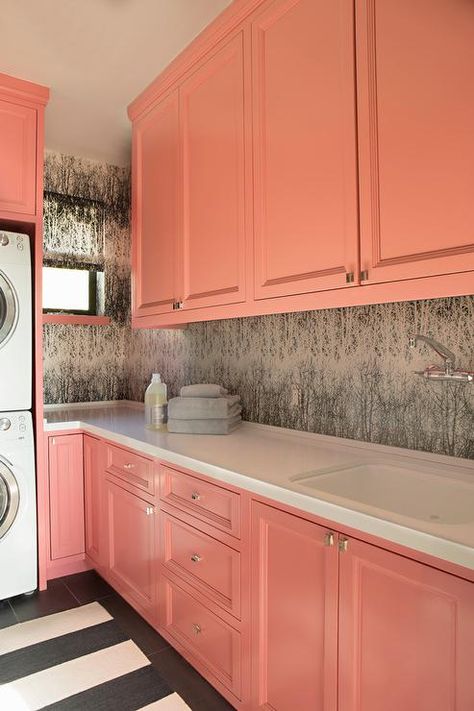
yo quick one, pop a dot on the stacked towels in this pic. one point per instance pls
(204, 409)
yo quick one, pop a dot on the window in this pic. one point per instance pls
(73, 271)
(69, 291)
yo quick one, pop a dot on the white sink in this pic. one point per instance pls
(416, 493)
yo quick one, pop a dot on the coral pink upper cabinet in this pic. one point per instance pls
(66, 496)
(131, 546)
(294, 603)
(406, 634)
(94, 468)
(155, 208)
(416, 116)
(17, 158)
(214, 188)
(306, 231)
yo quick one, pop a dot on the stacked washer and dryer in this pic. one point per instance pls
(18, 539)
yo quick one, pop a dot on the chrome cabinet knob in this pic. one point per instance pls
(196, 558)
(128, 466)
(195, 496)
(197, 628)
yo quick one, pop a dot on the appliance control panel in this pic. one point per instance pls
(16, 426)
(14, 248)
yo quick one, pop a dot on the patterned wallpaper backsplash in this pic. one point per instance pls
(344, 372)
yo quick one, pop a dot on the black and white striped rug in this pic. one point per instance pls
(78, 660)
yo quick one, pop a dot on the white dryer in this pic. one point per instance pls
(15, 322)
(18, 540)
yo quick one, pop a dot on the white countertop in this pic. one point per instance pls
(265, 460)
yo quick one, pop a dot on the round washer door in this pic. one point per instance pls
(9, 498)
(8, 309)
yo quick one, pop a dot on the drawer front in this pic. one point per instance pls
(209, 639)
(208, 502)
(132, 468)
(207, 564)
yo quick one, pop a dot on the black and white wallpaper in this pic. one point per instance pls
(344, 372)
(85, 363)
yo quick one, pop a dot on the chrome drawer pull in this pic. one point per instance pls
(329, 539)
(128, 466)
(343, 544)
(196, 558)
(150, 510)
(195, 496)
(197, 629)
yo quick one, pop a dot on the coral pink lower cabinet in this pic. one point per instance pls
(66, 496)
(341, 624)
(406, 634)
(131, 546)
(94, 467)
(294, 612)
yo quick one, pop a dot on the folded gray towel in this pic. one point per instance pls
(214, 427)
(204, 408)
(203, 390)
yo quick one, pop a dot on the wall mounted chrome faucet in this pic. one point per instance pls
(446, 371)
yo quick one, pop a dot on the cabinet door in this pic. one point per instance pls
(213, 136)
(416, 115)
(306, 232)
(406, 634)
(155, 208)
(94, 468)
(294, 603)
(131, 546)
(17, 158)
(66, 496)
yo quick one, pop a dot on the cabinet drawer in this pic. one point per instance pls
(132, 468)
(204, 635)
(207, 564)
(206, 501)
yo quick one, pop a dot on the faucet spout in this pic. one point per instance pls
(447, 371)
(448, 356)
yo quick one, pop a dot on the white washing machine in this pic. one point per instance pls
(18, 542)
(15, 322)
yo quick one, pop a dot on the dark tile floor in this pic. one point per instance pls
(80, 589)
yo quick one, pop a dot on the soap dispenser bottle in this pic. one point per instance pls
(156, 403)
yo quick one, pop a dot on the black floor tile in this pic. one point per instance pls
(187, 682)
(87, 587)
(7, 617)
(211, 701)
(55, 599)
(130, 621)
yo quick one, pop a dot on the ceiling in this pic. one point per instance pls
(96, 56)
